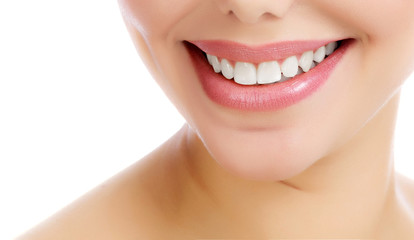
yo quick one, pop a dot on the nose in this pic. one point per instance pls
(251, 11)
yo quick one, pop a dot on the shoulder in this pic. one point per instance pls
(406, 186)
(402, 218)
(127, 206)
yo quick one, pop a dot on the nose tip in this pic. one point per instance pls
(251, 11)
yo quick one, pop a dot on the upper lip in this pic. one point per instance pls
(260, 53)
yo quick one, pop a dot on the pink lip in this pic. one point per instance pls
(256, 54)
(262, 97)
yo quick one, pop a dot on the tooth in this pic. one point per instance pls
(216, 64)
(306, 60)
(330, 48)
(268, 72)
(226, 69)
(313, 65)
(245, 73)
(290, 67)
(283, 79)
(319, 54)
(209, 58)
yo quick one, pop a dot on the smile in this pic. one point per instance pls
(246, 73)
(268, 77)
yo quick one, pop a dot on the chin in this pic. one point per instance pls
(263, 155)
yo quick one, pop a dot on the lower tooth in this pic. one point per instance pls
(313, 65)
(283, 79)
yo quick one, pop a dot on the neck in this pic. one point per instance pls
(342, 195)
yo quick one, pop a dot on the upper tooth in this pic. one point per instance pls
(226, 69)
(209, 58)
(319, 54)
(331, 47)
(216, 64)
(268, 72)
(306, 60)
(290, 66)
(245, 73)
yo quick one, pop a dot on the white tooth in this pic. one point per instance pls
(245, 73)
(306, 60)
(209, 58)
(216, 64)
(313, 65)
(268, 72)
(330, 48)
(319, 55)
(226, 69)
(284, 78)
(290, 66)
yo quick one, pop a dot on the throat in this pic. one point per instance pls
(342, 195)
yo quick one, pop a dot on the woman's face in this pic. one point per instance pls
(274, 131)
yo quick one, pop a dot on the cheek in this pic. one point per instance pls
(385, 29)
(155, 17)
(152, 25)
(375, 18)
(143, 14)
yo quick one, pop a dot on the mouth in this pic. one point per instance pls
(268, 77)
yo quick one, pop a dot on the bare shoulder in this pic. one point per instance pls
(403, 215)
(407, 187)
(127, 206)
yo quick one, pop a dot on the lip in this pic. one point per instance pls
(269, 97)
(239, 52)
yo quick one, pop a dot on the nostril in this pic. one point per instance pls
(268, 16)
(252, 11)
(247, 16)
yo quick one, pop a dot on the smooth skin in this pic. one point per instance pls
(322, 168)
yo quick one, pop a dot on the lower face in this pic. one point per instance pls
(272, 123)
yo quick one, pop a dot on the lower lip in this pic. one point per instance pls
(268, 97)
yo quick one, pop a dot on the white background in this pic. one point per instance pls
(77, 106)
